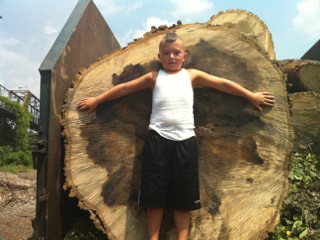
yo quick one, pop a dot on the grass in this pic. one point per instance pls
(12, 168)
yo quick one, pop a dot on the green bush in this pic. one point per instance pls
(300, 216)
(8, 135)
(5, 152)
(15, 150)
(9, 156)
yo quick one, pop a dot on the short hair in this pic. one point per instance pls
(171, 37)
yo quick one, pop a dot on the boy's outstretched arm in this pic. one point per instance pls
(91, 103)
(200, 78)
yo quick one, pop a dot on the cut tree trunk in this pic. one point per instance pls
(304, 82)
(305, 110)
(303, 75)
(249, 26)
(244, 153)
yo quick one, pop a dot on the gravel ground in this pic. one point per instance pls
(17, 205)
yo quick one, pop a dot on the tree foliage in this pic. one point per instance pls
(301, 210)
(14, 138)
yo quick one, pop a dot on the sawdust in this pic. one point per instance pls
(17, 205)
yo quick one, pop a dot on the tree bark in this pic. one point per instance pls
(244, 154)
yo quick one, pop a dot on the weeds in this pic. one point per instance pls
(13, 168)
(300, 216)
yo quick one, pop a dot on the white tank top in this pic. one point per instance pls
(172, 106)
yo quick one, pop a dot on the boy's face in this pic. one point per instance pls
(172, 55)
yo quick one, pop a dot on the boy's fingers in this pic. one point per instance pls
(82, 102)
(268, 101)
(259, 108)
(268, 98)
(81, 106)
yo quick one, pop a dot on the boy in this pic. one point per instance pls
(170, 157)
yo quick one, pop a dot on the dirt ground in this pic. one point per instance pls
(17, 205)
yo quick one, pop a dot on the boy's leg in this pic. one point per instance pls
(154, 219)
(182, 222)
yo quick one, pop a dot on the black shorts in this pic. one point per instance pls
(169, 174)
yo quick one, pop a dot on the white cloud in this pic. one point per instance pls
(151, 22)
(50, 30)
(18, 70)
(113, 7)
(308, 18)
(191, 7)
(10, 41)
(128, 37)
(134, 34)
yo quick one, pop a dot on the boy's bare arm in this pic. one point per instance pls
(91, 103)
(204, 79)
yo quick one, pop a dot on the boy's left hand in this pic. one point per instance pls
(262, 98)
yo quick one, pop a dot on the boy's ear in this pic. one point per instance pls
(186, 55)
(159, 56)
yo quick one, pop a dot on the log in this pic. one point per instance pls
(249, 26)
(303, 75)
(244, 154)
(305, 110)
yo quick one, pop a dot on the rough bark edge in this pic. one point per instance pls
(270, 55)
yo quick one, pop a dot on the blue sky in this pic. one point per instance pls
(28, 28)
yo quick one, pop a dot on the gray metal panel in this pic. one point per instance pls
(85, 37)
(313, 53)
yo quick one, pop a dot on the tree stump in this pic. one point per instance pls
(244, 154)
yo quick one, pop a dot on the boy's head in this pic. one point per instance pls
(172, 52)
(170, 37)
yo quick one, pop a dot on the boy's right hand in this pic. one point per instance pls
(262, 98)
(87, 104)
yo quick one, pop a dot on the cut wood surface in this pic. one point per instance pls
(305, 109)
(250, 26)
(303, 75)
(244, 154)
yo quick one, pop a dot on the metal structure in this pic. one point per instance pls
(21, 96)
(313, 53)
(84, 38)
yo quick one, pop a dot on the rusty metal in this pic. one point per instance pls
(39, 153)
(85, 37)
(42, 194)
